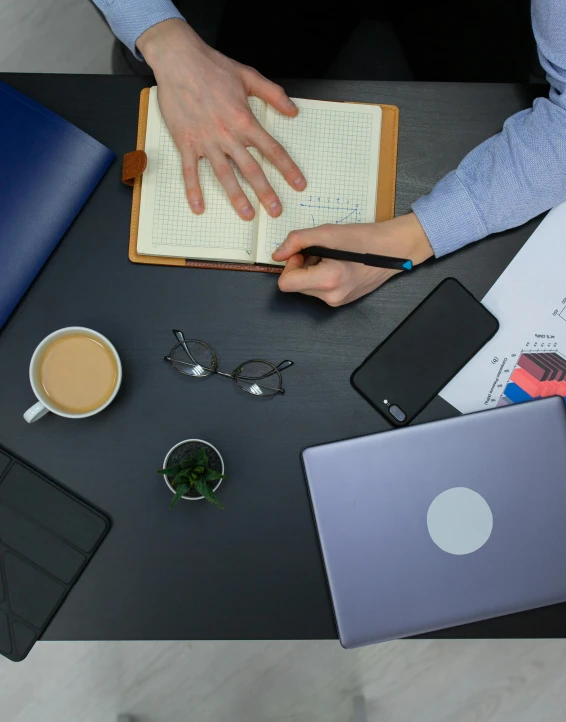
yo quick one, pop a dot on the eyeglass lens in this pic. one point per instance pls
(193, 358)
(258, 378)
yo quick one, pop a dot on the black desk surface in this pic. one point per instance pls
(254, 569)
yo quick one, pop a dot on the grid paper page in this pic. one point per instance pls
(167, 226)
(336, 145)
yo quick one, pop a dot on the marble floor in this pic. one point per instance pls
(405, 681)
(429, 681)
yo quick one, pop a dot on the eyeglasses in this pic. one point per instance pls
(195, 358)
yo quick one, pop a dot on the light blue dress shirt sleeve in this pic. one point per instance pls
(130, 18)
(516, 174)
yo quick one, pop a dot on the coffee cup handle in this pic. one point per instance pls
(35, 412)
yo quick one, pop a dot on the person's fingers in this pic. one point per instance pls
(261, 87)
(276, 153)
(225, 174)
(297, 261)
(253, 173)
(297, 240)
(192, 183)
(310, 260)
(296, 264)
(318, 280)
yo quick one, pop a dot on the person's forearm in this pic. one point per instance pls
(516, 174)
(502, 183)
(128, 19)
(159, 44)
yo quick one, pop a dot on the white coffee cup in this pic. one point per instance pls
(44, 404)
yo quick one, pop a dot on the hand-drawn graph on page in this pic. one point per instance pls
(331, 210)
(334, 150)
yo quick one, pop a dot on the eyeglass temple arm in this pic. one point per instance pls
(193, 364)
(280, 367)
(279, 390)
(284, 365)
(180, 336)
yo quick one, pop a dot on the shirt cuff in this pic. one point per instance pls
(448, 216)
(131, 18)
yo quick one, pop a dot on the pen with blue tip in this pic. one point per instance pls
(368, 259)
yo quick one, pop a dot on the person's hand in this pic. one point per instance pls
(340, 282)
(203, 97)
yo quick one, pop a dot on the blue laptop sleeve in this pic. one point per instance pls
(48, 169)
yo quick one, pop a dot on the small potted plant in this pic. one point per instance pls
(193, 470)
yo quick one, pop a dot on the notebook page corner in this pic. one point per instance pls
(336, 145)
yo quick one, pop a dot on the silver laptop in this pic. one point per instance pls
(443, 523)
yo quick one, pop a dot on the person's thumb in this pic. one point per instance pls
(261, 87)
(294, 243)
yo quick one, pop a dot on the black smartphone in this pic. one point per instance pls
(425, 351)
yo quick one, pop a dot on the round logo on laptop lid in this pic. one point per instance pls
(459, 521)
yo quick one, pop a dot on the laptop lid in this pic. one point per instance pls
(443, 523)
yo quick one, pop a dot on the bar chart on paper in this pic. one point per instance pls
(526, 359)
(535, 376)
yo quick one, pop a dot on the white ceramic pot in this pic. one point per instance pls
(193, 441)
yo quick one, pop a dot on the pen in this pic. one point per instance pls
(368, 259)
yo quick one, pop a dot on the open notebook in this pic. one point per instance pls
(336, 145)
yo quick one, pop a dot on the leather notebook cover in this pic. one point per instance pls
(48, 169)
(134, 164)
(47, 538)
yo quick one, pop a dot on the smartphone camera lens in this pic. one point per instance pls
(398, 413)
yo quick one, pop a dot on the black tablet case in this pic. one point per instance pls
(47, 538)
